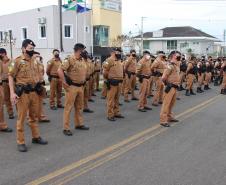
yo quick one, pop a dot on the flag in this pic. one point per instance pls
(82, 9)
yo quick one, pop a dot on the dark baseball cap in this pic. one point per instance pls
(3, 51)
(79, 46)
(26, 42)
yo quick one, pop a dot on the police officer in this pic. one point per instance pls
(144, 74)
(42, 118)
(97, 74)
(75, 71)
(104, 87)
(183, 68)
(55, 83)
(208, 74)
(130, 76)
(171, 79)
(5, 82)
(24, 70)
(223, 85)
(3, 125)
(113, 72)
(201, 74)
(157, 69)
(190, 76)
(87, 89)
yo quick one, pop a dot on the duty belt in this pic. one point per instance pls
(54, 76)
(97, 71)
(77, 84)
(146, 77)
(132, 73)
(174, 86)
(5, 81)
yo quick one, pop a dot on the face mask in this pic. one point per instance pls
(134, 55)
(148, 57)
(57, 55)
(178, 58)
(30, 53)
(84, 55)
(118, 56)
(1, 57)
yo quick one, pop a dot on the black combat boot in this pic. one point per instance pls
(205, 87)
(208, 87)
(199, 90)
(223, 91)
(191, 92)
(187, 93)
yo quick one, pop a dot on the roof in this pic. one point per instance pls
(185, 31)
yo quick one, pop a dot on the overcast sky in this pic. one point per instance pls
(207, 15)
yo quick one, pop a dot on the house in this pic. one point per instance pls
(184, 39)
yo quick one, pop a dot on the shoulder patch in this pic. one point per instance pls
(22, 62)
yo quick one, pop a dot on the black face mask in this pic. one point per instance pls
(118, 56)
(30, 53)
(57, 56)
(84, 55)
(178, 58)
(134, 55)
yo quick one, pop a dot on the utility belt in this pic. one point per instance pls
(20, 89)
(77, 84)
(97, 71)
(115, 82)
(142, 77)
(169, 86)
(112, 82)
(5, 81)
(130, 73)
(157, 74)
(52, 76)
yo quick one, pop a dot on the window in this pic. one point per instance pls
(101, 35)
(171, 44)
(1, 36)
(42, 31)
(87, 29)
(24, 33)
(68, 30)
(195, 43)
(146, 44)
(184, 45)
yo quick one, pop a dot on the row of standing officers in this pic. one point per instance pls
(79, 76)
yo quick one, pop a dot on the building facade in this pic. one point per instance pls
(184, 39)
(42, 26)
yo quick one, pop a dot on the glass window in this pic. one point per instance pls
(42, 31)
(172, 44)
(24, 33)
(101, 35)
(1, 36)
(146, 44)
(67, 31)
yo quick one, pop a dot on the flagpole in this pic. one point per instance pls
(92, 27)
(60, 19)
(84, 37)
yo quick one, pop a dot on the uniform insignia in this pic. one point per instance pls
(11, 66)
(22, 62)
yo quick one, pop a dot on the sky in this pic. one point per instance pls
(207, 15)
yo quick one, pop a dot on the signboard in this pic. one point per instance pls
(114, 5)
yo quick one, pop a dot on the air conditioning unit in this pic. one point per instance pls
(42, 20)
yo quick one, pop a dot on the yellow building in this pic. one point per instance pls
(107, 21)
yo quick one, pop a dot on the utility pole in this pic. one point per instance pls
(224, 43)
(142, 34)
(60, 19)
(10, 42)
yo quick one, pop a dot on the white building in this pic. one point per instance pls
(185, 39)
(42, 26)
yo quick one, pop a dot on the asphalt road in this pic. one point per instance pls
(192, 152)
